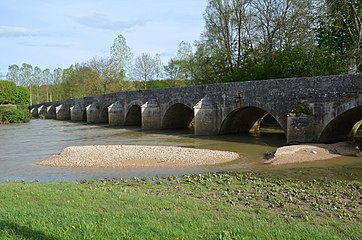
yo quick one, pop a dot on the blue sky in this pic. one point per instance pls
(58, 33)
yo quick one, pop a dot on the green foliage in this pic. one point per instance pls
(12, 94)
(295, 62)
(8, 92)
(16, 116)
(22, 95)
(299, 110)
(200, 206)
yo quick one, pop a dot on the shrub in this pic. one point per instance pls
(8, 92)
(22, 95)
(16, 116)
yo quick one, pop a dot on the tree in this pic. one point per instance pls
(47, 81)
(122, 56)
(173, 69)
(38, 80)
(26, 78)
(58, 73)
(158, 66)
(183, 58)
(226, 30)
(340, 30)
(144, 68)
(13, 74)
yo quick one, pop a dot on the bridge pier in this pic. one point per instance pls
(205, 117)
(62, 112)
(116, 114)
(42, 111)
(151, 115)
(93, 113)
(300, 129)
(34, 112)
(51, 112)
(77, 113)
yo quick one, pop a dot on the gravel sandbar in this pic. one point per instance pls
(312, 152)
(121, 156)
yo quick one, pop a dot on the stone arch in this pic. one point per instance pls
(177, 116)
(133, 116)
(343, 126)
(245, 120)
(103, 114)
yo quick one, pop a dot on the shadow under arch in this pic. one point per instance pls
(178, 116)
(248, 119)
(133, 116)
(103, 116)
(343, 127)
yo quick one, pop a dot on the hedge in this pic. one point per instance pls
(12, 94)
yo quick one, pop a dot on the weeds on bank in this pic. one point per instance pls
(287, 197)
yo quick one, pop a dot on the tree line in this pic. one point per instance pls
(242, 40)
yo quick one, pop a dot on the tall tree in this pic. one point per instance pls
(57, 73)
(173, 69)
(158, 66)
(48, 81)
(183, 58)
(26, 79)
(340, 30)
(122, 56)
(144, 68)
(38, 81)
(107, 70)
(226, 30)
(13, 74)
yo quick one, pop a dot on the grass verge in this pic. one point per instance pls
(205, 206)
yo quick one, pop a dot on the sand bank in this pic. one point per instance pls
(312, 152)
(121, 156)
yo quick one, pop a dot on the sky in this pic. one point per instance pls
(58, 33)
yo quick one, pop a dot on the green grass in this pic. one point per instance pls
(208, 206)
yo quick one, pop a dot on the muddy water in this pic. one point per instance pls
(22, 146)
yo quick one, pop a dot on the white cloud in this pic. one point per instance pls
(14, 32)
(101, 21)
(50, 45)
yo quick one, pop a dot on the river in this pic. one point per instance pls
(23, 145)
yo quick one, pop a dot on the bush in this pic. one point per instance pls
(16, 116)
(12, 94)
(22, 95)
(8, 92)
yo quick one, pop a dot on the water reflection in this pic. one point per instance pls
(22, 146)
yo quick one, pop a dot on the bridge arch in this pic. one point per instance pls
(103, 115)
(133, 113)
(344, 126)
(178, 116)
(133, 116)
(246, 119)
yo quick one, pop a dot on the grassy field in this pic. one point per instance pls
(208, 206)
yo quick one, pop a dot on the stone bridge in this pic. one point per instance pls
(316, 109)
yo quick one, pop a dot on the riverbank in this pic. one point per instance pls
(123, 156)
(201, 206)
